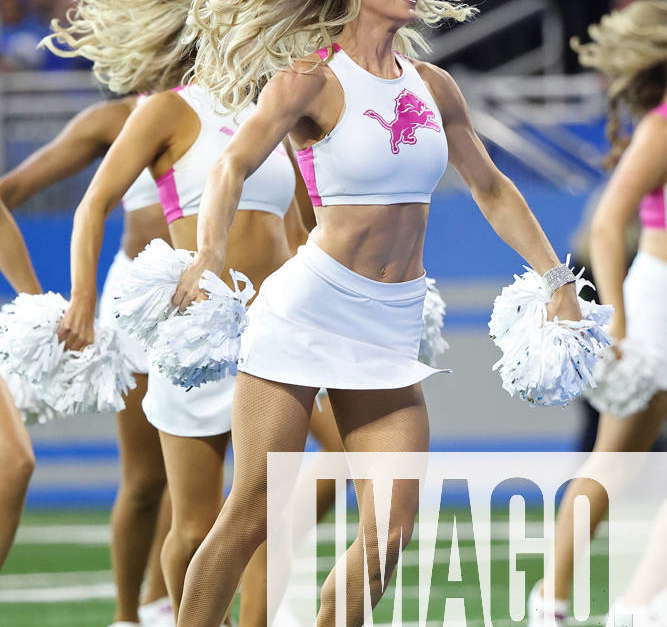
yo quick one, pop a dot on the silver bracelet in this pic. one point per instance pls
(557, 277)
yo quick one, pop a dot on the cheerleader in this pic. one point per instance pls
(16, 456)
(135, 523)
(630, 48)
(372, 128)
(179, 136)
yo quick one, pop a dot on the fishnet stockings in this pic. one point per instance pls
(267, 416)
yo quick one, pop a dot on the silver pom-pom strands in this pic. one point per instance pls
(28, 341)
(203, 343)
(145, 299)
(93, 380)
(433, 343)
(33, 409)
(624, 385)
(546, 362)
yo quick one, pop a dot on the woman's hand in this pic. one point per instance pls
(564, 304)
(188, 290)
(76, 328)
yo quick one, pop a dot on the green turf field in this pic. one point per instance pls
(58, 575)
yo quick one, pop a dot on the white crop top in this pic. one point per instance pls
(270, 188)
(142, 193)
(389, 145)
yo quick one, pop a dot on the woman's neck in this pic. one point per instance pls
(370, 43)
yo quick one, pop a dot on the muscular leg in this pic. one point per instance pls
(195, 479)
(136, 508)
(155, 587)
(636, 433)
(253, 583)
(17, 462)
(376, 421)
(267, 416)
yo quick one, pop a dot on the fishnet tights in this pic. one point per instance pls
(267, 416)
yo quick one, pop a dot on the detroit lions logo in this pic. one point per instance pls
(410, 113)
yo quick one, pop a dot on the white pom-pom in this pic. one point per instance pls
(546, 362)
(32, 408)
(625, 385)
(433, 343)
(28, 341)
(144, 299)
(203, 344)
(93, 380)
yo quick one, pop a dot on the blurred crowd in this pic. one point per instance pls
(23, 24)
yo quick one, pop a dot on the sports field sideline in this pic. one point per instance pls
(59, 574)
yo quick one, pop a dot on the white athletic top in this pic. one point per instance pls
(270, 188)
(142, 193)
(389, 145)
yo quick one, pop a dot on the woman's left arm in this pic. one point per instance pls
(498, 198)
(15, 261)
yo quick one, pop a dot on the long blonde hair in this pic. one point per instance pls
(135, 45)
(630, 48)
(243, 43)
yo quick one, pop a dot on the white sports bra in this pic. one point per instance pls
(389, 145)
(270, 188)
(142, 193)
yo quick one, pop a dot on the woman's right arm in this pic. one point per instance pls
(642, 170)
(15, 261)
(85, 138)
(286, 99)
(146, 134)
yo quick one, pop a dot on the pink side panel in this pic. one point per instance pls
(171, 204)
(661, 110)
(652, 212)
(306, 160)
(323, 53)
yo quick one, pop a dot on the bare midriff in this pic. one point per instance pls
(256, 246)
(142, 226)
(381, 242)
(654, 243)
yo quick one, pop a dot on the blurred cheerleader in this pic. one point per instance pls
(139, 524)
(16, 457)
(372, 128)
(179, 136)
(629, 48)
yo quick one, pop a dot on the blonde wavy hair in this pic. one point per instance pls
(243, 43)
(135, 45)
(630, 48)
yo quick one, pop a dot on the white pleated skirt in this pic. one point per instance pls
(645, 294)
(197, 412)
(317, 323)
(131, 347)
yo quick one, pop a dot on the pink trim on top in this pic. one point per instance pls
(306, 160)
(323, 53)
(171, 203)
(661, 110)
(178, 88)
(652, 211)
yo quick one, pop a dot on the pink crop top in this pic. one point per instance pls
(388, 147)
(653, 210)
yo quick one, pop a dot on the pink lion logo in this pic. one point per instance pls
(411, 113)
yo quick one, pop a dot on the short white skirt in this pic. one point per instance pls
(133, 349)
(193, 413)
(645, 294)
(317, 323)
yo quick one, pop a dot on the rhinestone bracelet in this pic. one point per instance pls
(557, 277)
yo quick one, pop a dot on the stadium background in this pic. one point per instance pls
(544, 124)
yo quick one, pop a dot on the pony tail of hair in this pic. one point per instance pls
(616, 134)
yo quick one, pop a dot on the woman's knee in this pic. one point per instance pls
(143, 492)
(20, 463)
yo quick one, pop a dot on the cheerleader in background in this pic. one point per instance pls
(630, 48)
(344, 313)
(139, 524)
(16, 457)
(179, 136)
